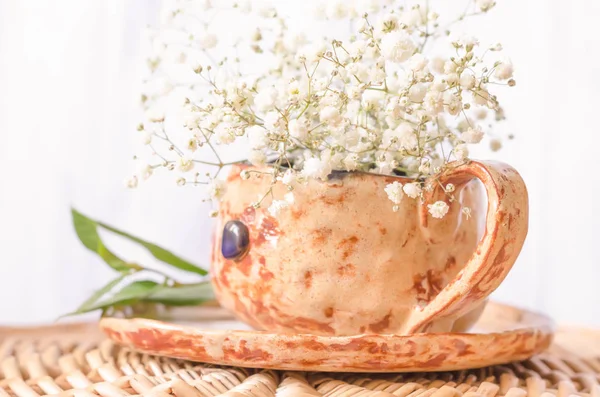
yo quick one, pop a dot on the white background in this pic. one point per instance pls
(68, 80)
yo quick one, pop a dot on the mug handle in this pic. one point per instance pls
(505, 231)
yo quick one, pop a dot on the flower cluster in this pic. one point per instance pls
(372, 101)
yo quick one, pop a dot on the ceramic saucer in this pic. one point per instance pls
(503, 334)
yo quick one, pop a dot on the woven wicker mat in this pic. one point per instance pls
(75, 360)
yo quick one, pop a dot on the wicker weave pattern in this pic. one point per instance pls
(85, 364)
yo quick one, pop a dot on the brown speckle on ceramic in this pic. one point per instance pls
(507, 334)
(346, 249)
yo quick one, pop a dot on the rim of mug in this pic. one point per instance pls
(333, 174)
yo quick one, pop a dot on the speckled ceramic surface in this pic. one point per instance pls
(503, 334)
(339, 261)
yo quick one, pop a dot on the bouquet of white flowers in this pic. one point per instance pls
(373, 101)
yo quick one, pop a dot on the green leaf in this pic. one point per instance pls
(147, 291)
(131, 293)
(158, 252)
(183, 295)
(87, 231)
(92, 300)
(100, 293)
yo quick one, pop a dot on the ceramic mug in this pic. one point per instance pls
(339, 261)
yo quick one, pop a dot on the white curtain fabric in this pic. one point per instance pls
(69, 72)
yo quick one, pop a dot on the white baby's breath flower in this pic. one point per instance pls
(467, 212)
(272, 121)
(312, 53)
(224, 135)
(316, 168)
(293, 88)
(437, 65)
(288, 178)
(388, 23)
(197, 67)
(452, 79)
(464, 124)
(192, 119)
(412, 190)
(359, 70)
(147, 137)
(146, 172)
(289, 198)
(330, 115)
(265, 99)
(208, 41)
(385, 166)
(413, 17)
(357, 48)
(363, 26)
(417, 93)
(369, 6)
(495, 145)
(466, 41)
(336, 9)
(504, 70)
(434, 102)
(298, 129)
(461, 152)
(371, 100)
(404, 137)
(397, 46)
(216, 189)
(481, 113)
(155, 115)
(267, 11)
(293, 41)
(439, 209)
(377, 75)
(132, 182)
(425, 167)
(351, 162)
(257, 137)
(192, 144)
(355, 91)
(276, 207)
(236, 131)
(245, 175)
(467, 81)
(417, 62)
(481, 96)
(394, 192)
(205, 5)
(450, 187)
(257, 157)
(472, 135)
(450, 67)
(185, 164)
(485, 5)
(395, 107)
(433, 16)
(453, 103)
(319, 11)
